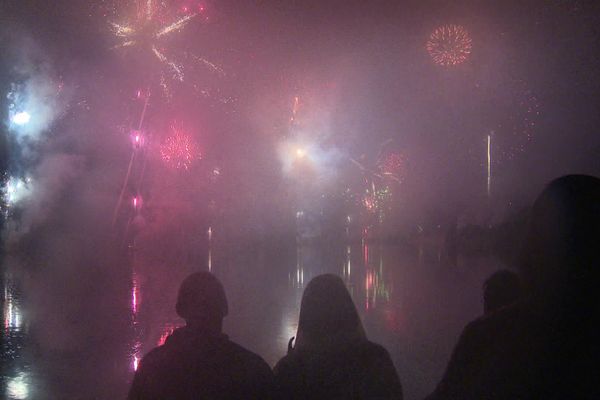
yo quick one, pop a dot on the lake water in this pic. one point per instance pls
(79, 334)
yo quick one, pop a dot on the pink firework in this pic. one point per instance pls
(393, 165)
(179, 150)
(449, 45)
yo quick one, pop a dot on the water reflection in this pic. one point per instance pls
(409, 302)
(136, 300)
(296, 278)
(18, 387)
(18, 382)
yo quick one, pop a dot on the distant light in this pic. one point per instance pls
(136, 202)
(21, 118)
(300, 153)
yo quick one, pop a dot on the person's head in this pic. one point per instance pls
(561, 255)
(327, 313)
(201, 301)
(502, 288)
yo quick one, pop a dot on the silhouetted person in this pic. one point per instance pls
(501, 289)
(332, 358)
(198, 361)
(545, 346)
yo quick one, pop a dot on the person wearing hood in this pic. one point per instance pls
(332, 357)
(198, 361)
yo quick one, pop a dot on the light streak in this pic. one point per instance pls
(175, 26)
(122, 30)
(210, 65)
(489, 164)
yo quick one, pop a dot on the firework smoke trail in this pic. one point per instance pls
(131, 161)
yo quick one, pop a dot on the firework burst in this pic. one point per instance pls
(179, 150)
(392, 166)
(449, 45)
(147, 29)
(514, 135)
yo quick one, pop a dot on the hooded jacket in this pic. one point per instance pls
(194, 365)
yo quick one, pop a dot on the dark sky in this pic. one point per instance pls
(362, 64)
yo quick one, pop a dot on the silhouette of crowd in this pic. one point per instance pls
(537, 338)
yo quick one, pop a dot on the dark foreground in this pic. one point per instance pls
(75, 336)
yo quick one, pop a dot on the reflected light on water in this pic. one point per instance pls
(348, 264)
(297, 279)
(209, 259)
(136, 300)
(12, 312)
(18, 387)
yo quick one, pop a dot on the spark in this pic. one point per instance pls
(122, 30)
(148, 29)
(159, 55)
(176, 68)
(515, 134)
(149, 10)
(393, 166)
(128, 43)
(449, 45)
(295, 107)
(175, 26)
(210, 65)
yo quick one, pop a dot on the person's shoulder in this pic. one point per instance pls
(504, 317)
(155, 358)
(243, 354)
(375, 349)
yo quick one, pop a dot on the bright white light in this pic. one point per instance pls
(18, 387)
(21, 118)
(300, 152)
(16, 190)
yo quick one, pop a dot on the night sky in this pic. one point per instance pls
(364, 77)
